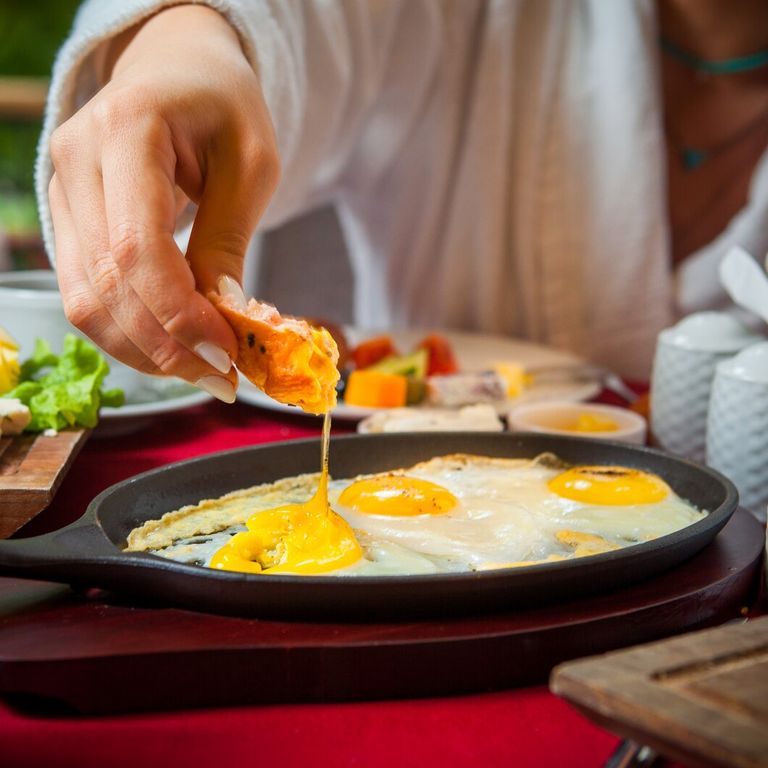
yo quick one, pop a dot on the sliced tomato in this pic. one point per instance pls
(441, 357)
(369, 352)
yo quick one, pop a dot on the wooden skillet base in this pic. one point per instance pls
(98, 655)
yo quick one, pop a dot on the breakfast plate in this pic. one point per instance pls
(90, 552)
(474, 352)
(149, 396)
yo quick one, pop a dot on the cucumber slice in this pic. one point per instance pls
(413, 365)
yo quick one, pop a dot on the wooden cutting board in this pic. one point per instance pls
(701, 698)
(31, 470)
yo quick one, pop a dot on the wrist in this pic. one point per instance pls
(175, 29)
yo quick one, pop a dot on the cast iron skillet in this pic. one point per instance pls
(88, 552)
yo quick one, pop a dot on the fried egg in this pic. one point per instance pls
(448, 514)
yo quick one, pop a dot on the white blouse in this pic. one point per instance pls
(496, 165)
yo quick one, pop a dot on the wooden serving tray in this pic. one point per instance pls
(31, 470)
(701, 698)
(99, 654)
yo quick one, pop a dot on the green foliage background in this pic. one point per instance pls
(31, 32)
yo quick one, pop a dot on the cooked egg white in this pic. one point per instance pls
(452, 513)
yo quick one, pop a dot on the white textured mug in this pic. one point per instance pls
(683, 369)
(737, 425)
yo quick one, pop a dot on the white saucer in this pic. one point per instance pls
(474, 352)
(153, 396)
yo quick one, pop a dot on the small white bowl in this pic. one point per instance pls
(31, 307)
(554, 417)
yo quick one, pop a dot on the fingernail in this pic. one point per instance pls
(229, 287)
(214, 356)
(218, 387)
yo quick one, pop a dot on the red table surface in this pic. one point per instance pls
(524, 727)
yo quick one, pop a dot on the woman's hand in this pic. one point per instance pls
(182, 116)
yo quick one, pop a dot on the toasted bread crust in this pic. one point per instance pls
(283, 356)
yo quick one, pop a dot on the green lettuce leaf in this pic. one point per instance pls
(42, 357)
(68, 393)
(112, 398)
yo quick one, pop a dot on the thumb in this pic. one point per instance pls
(233, 198)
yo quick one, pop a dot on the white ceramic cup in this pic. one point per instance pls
(31, 308)
(737, 425)
(683, 369)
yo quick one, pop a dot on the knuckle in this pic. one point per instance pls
(125, 113)
(173, 316)
(105, 278)
(110, 115)
(125, 245)
(82, 311)
(62, 145)
(270, 164)
(230, 242)
(147, 367)
(109, 118)
(54, 191)
(264, 165)
(169, 357)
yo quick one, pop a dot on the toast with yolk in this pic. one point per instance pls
(288, 359)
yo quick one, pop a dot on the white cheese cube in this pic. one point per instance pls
(14, 416)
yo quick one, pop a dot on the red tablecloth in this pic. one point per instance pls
(525, 727)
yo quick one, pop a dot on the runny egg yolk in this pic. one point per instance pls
(398, 495)
(290, 539)
(306, 539)
(609, 485)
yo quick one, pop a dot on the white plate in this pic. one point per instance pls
(474, 352)
(149, 397)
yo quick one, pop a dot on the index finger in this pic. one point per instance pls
(139, 190)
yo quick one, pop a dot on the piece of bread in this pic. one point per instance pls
(338, 336)
(284, 356)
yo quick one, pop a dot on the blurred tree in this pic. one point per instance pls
(31, 33)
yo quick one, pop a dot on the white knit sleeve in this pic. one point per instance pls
(320, 63)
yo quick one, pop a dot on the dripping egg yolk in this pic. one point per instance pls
(290, 539)
(609, 485)
(398, 495)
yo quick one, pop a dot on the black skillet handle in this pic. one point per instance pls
(61, 556)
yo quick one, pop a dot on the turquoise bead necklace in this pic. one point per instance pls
(735, 66)
(692, 157)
